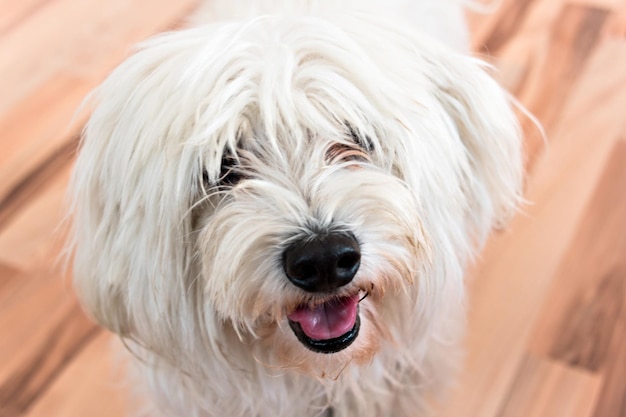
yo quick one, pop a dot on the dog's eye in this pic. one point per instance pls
(342, 152)
(230, 172)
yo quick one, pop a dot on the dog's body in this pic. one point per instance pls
(275, 212)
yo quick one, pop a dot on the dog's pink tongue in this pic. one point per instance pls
(328, 320)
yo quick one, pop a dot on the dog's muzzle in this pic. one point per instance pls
(322, 265)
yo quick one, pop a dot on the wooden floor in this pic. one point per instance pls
(548, 299)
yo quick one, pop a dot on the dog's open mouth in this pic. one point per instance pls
(328, 327)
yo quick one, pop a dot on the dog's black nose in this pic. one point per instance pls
(323, 263)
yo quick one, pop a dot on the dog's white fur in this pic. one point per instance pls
(190, 275)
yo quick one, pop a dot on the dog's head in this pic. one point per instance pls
(299, 191)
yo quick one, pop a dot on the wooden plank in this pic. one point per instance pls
(37, 140)
(531, 20)
(519, 266)
(34, 182)
(588, 294)
(34, 234)
(553, 68)
(488, 31)
(541, 57)
(90, 386)
(58, 54)
(9, 280)
(66, 37)
(42, 316)
(546, 388)
(612, 399)
(575, 35)
(511, 17)
(613, 5)
(47, 329)
(15, 12)
(42, 301)
(61, 344)
(616, 26)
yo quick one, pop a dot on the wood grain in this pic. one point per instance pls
(519, 267)
(89, 386)
(546, 388)
(588, 295)
(15, 12)
(509, 22)
(612, 399)
(34, 233)
(64, 340)
(47, 329)
(59, 52)
(547, 324)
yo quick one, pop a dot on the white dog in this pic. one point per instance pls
(275, 211)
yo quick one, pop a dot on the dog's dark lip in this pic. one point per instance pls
(327, 346)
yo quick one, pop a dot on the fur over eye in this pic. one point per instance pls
(362, 141)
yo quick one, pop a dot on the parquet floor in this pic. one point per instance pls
(548, 298)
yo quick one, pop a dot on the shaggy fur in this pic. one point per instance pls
(212, 148)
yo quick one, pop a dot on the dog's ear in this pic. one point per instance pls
(130, 208)
(481, 113)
